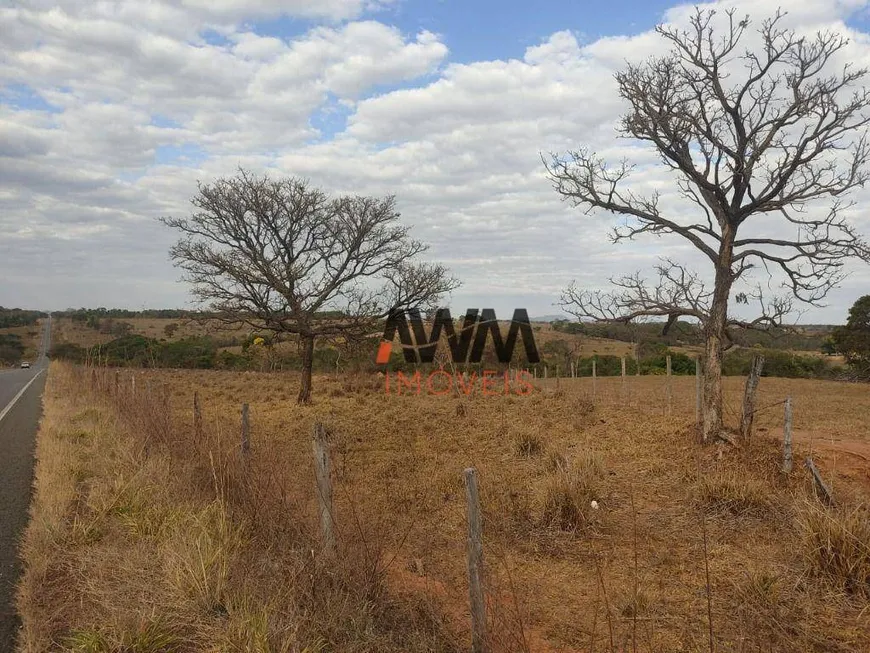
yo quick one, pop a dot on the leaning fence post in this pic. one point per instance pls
(748, 414)
(246, 435)
(475, 564)
(324, 486)
(786, 438)
(197, 415)
(820, 484)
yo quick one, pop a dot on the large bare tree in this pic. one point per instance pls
(765, 141)
(283, 256)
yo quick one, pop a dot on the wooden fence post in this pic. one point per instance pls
(748, 414)
(475, 564)
(698, 390)
(670, 386)
(594, 378)
(197, 416)
(246, 434)
(623, 390)
(133, 384)
(572, 369)
(820, 484)
(324, 486)
(786, 438)
(546, 372)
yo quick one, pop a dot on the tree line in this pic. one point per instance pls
(18, 317)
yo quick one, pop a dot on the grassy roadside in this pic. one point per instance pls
(139, 543)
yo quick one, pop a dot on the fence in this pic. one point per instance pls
(147, 404)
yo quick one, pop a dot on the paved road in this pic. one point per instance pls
(20, 410)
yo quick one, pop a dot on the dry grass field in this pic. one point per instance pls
(149, 534)
(66, 330)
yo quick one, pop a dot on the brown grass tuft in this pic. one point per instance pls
(570, 491)
(734, 492)
(528, 444)
(836, 545)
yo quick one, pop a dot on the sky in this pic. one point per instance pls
(111, 111)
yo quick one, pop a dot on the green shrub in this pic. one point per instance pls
(779, 363)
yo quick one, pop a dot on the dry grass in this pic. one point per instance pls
(837, 546)
(142, 527)
(570, 492)
(735, 491)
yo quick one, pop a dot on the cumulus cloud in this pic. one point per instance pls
(138, 101)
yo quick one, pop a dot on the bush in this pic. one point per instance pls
(199, 353)
(779, 363)
(67, 351)
(11, 348)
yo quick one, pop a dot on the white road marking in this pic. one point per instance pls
(18, 396)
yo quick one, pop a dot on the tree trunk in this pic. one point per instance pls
(714, 346)
(748, 414)
(307, 365)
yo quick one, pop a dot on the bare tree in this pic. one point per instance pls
(765, 141)
(282, 256)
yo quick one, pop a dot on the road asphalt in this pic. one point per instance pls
(20, 411)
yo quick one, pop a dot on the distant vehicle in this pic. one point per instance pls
(25, 365)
